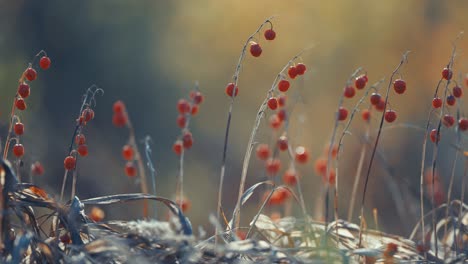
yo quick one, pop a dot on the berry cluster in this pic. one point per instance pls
(120, 119)
(270, 157)
(320, 165)
(186, 109)
(79, 145)
(24, 90)
(452, 96)
(255, 50)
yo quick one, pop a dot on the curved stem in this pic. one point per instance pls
(250, 145)
(228, 125)
(403, 60)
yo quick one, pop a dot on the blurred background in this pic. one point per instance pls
(150, 53)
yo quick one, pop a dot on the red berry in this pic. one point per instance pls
(380, 106)
(18, 150)
(88, 114)
(19, 128)
(300, 68)
(127, 152)
(342, 113)
(360, 82)
(82, 150)
(283, 85)
(96, 214)
(187, 140)
(302, 155)
(80, 120)
(283, 143)
(451, 100)
(118, 107)
(23, 90)
(230, 90)
(390, 116)
(282, 115)
(178, 147)
(255, 49)
(30, 74)
(275, 121)
(278, 197)
(181, 121)
(436, 102)
(184, 205)
(434, 136)
(292, 72)
(37, 168)
(20, 104)
(349, 92)
(282, 100)
(194, 109)
(263, 152)
(69, 163)
(197, 97)
(448, 120)
(375, 98)
(399, 86)
(269, 34)
(457, 91)
(80, 139)
(290, 177)
(447, 73)
(320, 166)
(334, 151)
(273, 103)
(331, 177)
(183, 106)
(463, 124)
(119, 119)
(44, 63)
(272, 166)
(130, 169)
(365, 114)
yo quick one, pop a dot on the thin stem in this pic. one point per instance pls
(140, 164)
(150, 165)
(403, 60)
(250, 145)
(452, 178)
(228, 125)
(436, 152)
(421, 180)
(63, 185)
(73, 185)
(180, 179)
(340, 145)
(330, 150)
(357, 176)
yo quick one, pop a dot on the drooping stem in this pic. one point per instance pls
(330, 150)
(436, 151)
(369, 168)
(250, 144)
(363, 151)
(228, 125)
